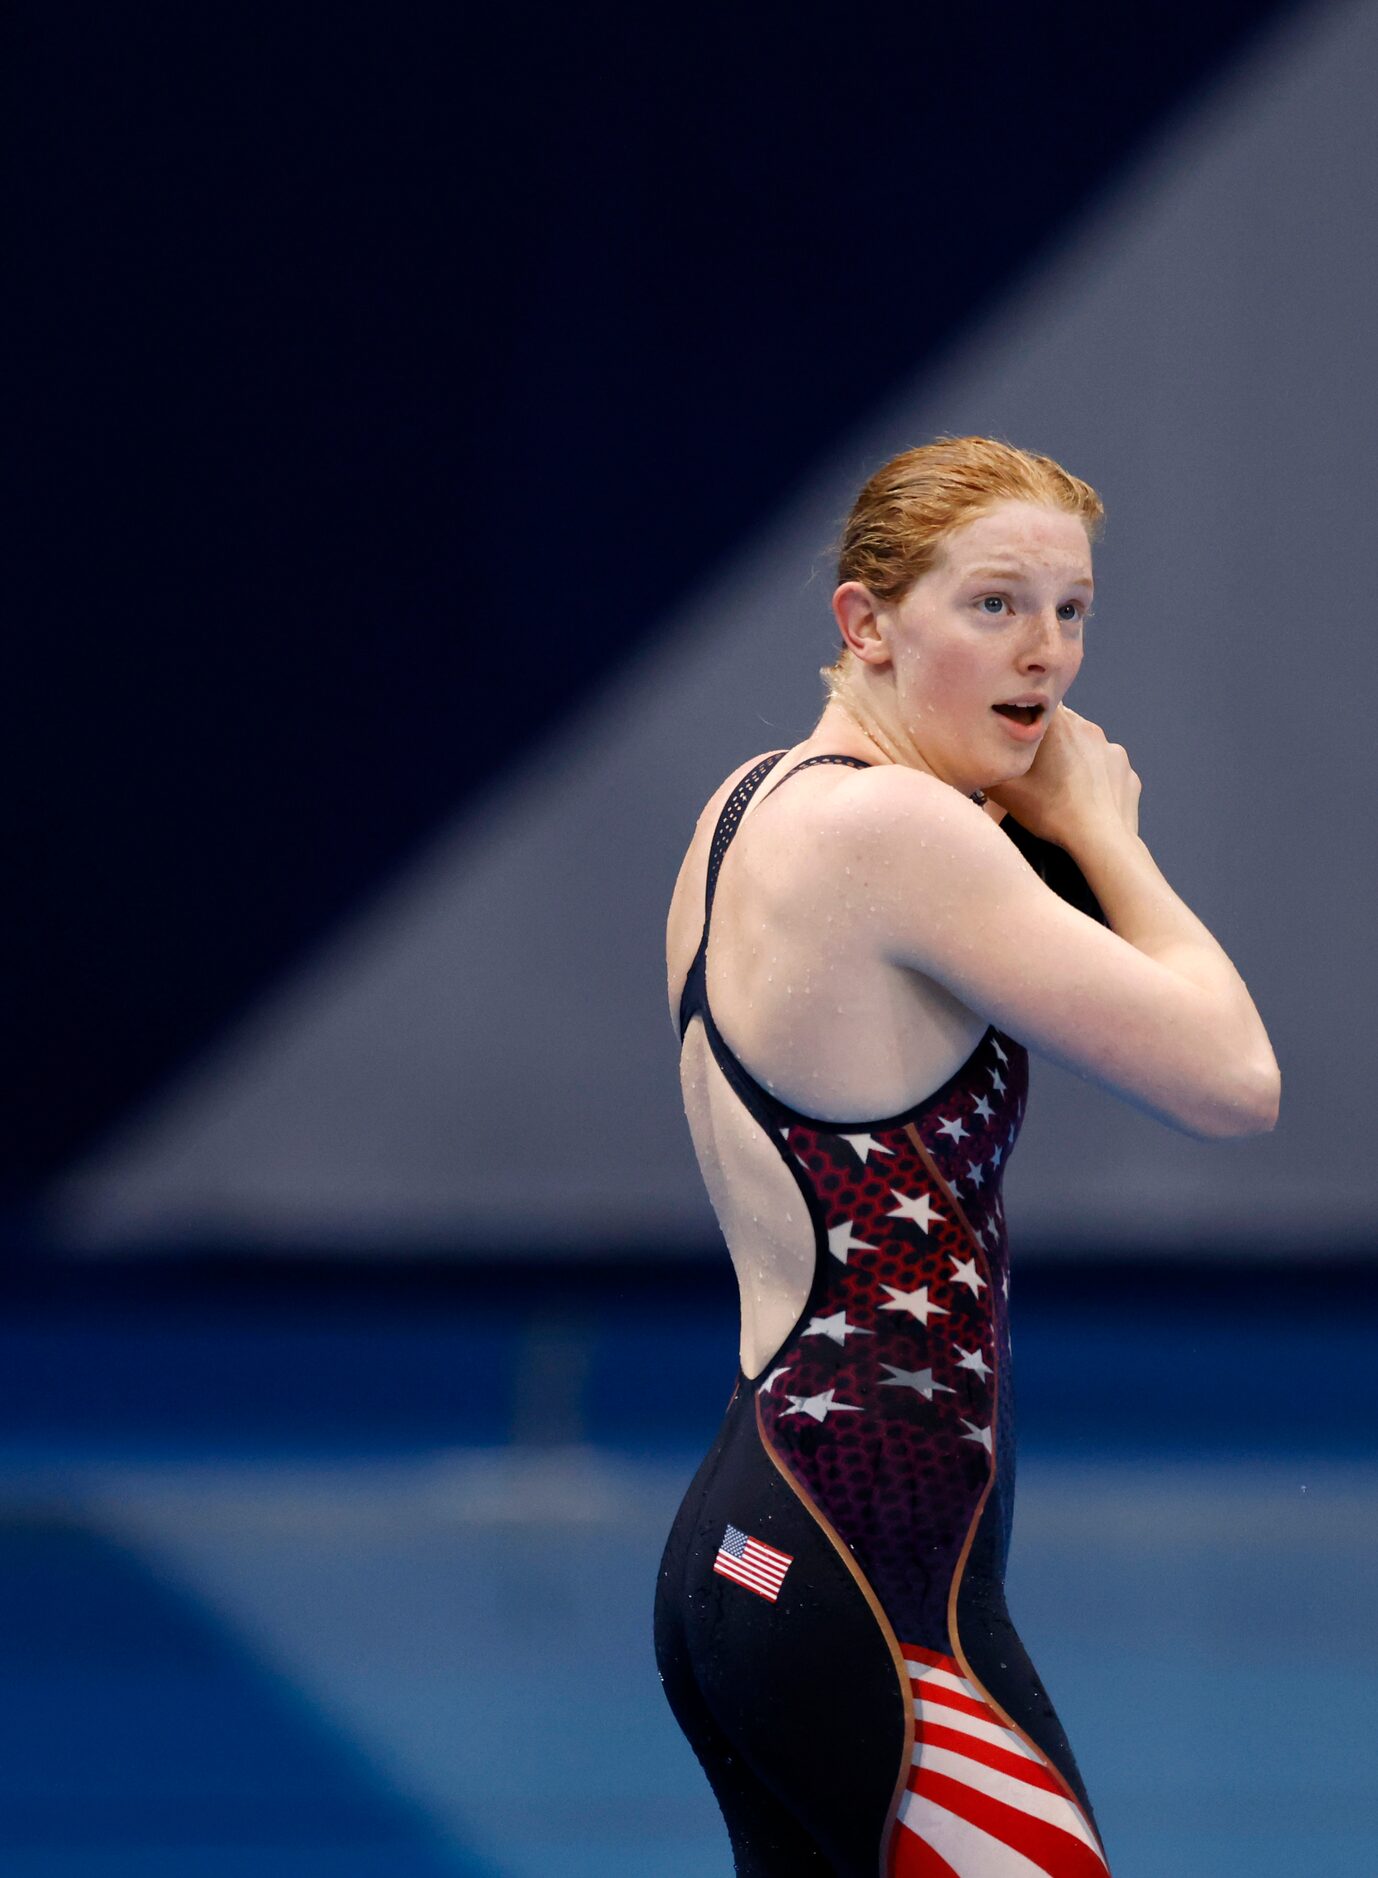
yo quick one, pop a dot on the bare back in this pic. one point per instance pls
(802, 997)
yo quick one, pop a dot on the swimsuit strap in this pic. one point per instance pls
(695, 986)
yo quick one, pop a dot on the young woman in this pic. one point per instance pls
(953, 879)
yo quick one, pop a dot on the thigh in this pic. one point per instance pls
(779, 1669)
(767, 1839)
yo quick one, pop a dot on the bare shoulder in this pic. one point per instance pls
(890, 808)
(912, 790)
(933, 864)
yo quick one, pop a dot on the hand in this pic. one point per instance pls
(1078, 784)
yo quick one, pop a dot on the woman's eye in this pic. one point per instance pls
(1069, 610)
(992, 601)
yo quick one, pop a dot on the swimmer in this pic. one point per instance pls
(954, 880)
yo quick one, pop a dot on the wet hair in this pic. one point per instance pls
(911, 505)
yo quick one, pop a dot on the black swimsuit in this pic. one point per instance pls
(830, 1621)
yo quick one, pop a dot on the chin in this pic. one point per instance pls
(1011, 770)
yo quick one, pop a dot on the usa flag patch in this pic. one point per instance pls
(753, 1563)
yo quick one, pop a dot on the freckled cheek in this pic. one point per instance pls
(952, 684)
(977, 692)
(942, 700)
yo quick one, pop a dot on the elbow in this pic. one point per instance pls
(1271, 1101)
(1249, 1106)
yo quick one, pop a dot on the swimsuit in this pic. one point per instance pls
(830, 1620)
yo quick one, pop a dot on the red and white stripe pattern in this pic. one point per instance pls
(753, 1563)
(981, 1803)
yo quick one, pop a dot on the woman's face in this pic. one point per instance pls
(997, 617)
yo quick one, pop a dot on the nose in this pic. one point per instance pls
(1048, 647)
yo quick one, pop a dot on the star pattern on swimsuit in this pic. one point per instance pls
(915, 1302)
(973, 1360)
(975, 1433)
(920, 1379)
(835, 1327)
(783, 1370)
(953, 1129)
(818, 1406)
(964, 1272)
(917, 1207)
(841, 1242)
(866, 1145)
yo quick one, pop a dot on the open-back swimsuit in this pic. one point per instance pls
(830, 1620)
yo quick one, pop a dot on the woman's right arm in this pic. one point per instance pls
(1143, 910)
(1152, 1009)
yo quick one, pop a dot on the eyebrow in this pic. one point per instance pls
(1015, 573)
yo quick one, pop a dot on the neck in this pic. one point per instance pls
(848, 715)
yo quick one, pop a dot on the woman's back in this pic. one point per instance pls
(802, 1000)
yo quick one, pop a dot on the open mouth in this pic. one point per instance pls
(1020, 713)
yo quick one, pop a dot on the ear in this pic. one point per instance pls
(858, 616)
